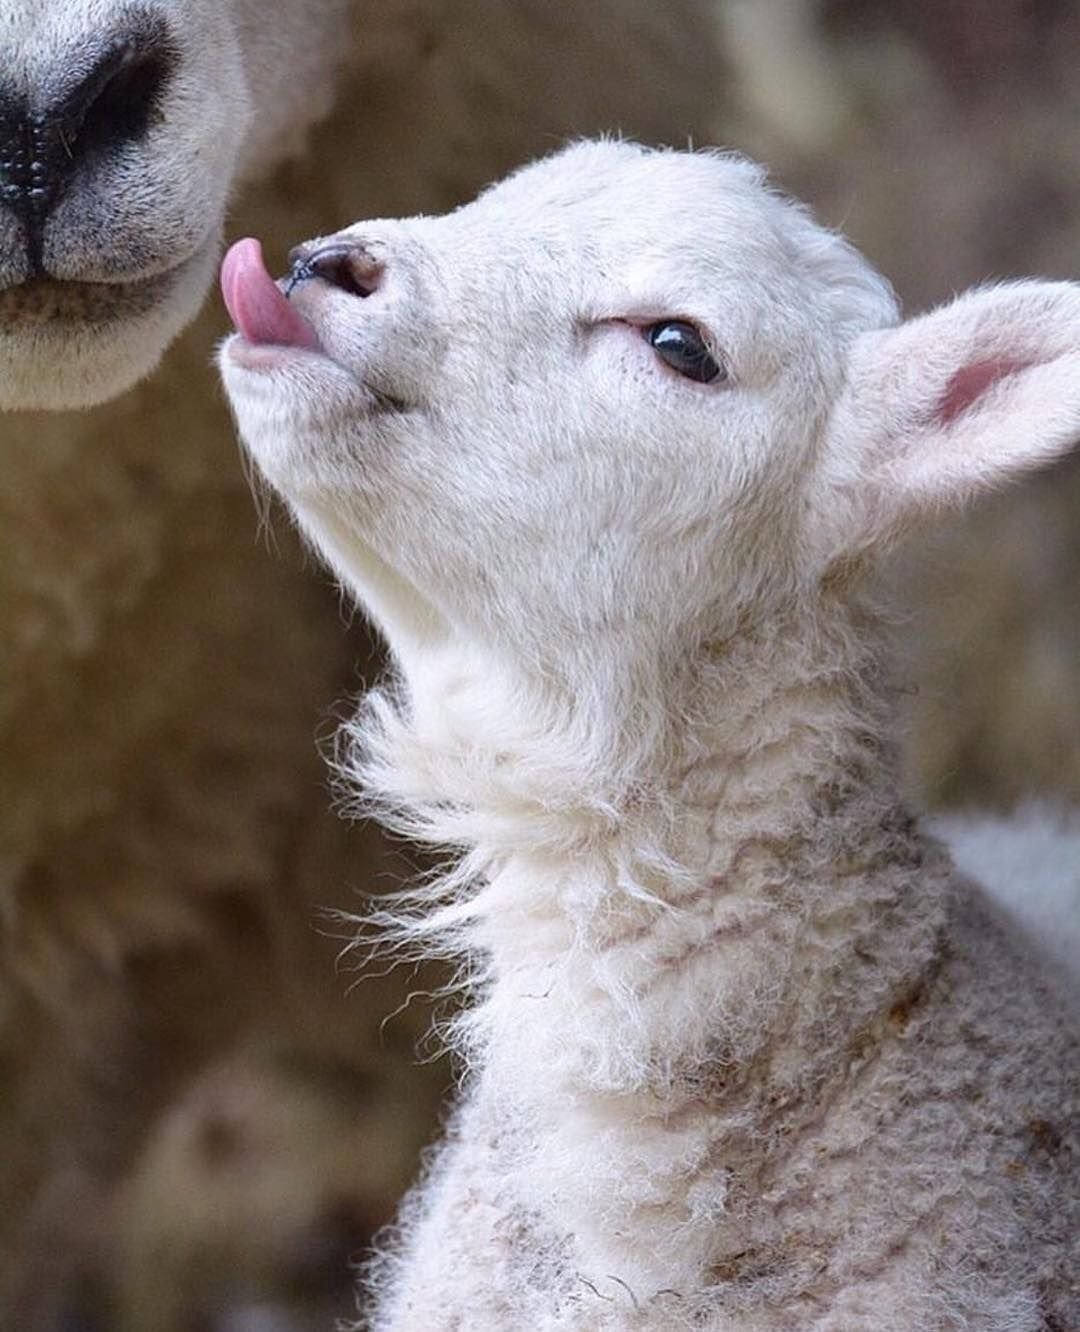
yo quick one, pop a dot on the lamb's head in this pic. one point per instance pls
(621, 404)
(123, 126)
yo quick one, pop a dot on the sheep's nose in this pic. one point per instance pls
(348, 265)
(105, 104)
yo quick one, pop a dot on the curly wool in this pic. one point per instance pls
(762, 1094)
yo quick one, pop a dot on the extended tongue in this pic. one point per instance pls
(256, 304)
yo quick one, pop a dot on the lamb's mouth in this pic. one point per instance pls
(279, 339)
(289, 370)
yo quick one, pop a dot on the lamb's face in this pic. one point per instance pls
(123, 124)
(586, 405)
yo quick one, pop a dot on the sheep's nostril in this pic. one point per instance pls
(351, 268)
(109, 102)
(118, 101)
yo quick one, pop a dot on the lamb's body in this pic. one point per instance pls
(746, 1053)
(893, 1198)
(820, 1089)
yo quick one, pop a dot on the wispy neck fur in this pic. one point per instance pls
(684, 914)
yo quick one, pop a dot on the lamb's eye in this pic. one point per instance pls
(680, 345)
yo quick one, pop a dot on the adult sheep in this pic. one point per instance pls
(160, 677)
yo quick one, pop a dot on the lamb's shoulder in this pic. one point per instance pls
(966, 1138)
(1008, 1051)
(940, 1185)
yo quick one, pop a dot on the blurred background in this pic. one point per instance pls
(206, 1111)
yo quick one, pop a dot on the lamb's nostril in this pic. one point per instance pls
(352, 268)
(107, 103)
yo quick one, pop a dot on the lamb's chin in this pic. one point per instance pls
(291, 405)
(285, 368)
(284, 382)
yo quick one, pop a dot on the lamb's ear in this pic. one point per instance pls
(954, 403)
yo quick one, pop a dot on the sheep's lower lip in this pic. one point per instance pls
(98, 302)
(51, 300)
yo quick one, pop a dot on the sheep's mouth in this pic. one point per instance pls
(63, 303)
(46, 301)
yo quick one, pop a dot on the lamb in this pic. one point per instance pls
(609, 456)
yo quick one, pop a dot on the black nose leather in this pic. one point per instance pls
(349, 266)
(101, 106)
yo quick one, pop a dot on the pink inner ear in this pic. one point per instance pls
(970, 383)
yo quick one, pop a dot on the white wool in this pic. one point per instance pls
(742, 1052)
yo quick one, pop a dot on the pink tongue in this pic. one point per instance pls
(255, 302)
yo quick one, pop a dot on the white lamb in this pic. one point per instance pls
(608, 456)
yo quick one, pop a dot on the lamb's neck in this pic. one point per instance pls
(677, 967)
(673, 917)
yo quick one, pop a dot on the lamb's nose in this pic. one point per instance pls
(102, 105)
(350, 266)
